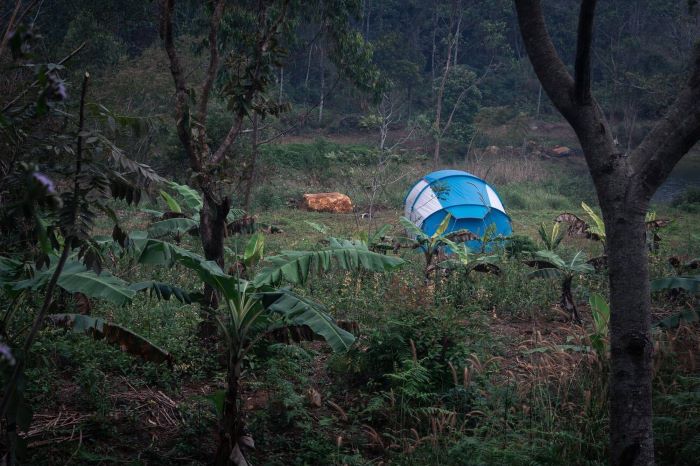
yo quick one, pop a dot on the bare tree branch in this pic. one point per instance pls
(262, 45)
(461, 96)
(550, 70)
(181, 95)
(583, 52)
(673, 136)
(213, 68)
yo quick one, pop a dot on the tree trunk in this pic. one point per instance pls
(250, 177)
(323, 85)
(212, 230)
(436, 152)
(631, 346)
(567, 300)
(231, 427)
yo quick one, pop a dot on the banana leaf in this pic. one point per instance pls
(301, 311)
(296, 266)
(76, 278)
(98, 328)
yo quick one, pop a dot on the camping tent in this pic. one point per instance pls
(474, 204)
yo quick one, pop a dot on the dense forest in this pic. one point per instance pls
(349, 232)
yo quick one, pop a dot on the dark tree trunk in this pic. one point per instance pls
(212, 230)
(231, 427)
(624, 183)
(631, 346)
(567, 300)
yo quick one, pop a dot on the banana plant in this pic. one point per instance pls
(433, 244)
(597, 230)
(551, 237)
(251, 308)
(467, 262)
(601, 318)
(552, 266)
(183, 216)
(378, 241)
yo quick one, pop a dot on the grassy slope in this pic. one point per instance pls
(509, 407)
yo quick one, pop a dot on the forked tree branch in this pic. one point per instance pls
(583, 52)
(672, 136)
(262, 45)
(182, 113)
(550, 70)
(213, 68)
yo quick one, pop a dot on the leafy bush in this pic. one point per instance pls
(688, 201)
(439, 337)
(520, 245)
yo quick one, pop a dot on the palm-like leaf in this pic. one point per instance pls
(172, 226)
(442, 227)
(156, 252)
(129, 341)
(550, 257)
(553, 266)
(165, 291)
(549, 273)
(191, 198)
(301, 311)
(413, 230)
(171, 202)
(254, 250)
(296, 266)
(690, 284)
(76, 278)
(599, 228)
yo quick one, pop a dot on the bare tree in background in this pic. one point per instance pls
(625, 183)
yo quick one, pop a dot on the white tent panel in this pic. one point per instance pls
(411, 198)
(426, 205)
(494, 200)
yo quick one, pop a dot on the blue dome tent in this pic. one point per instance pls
(474, 204)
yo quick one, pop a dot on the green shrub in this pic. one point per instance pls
(688, 200)
(520, 245)
(440, 336)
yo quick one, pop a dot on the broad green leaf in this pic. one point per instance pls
(76, 278)
(550, 257)
(599, 227)
(98, 328)
(301, 311)
(690, 284)
(601, 312)
(165, 291)
(172, 203)
(217, 400)
(685, 317)
(155, 213)
(442, 228)
(171, 226)
(191, 198)
(321, 228)
(235, 214)
(296, 266)
(547, 273)
(254, 250)
(380, 233)
(579, 265)
(413, 230)
(157, 252)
